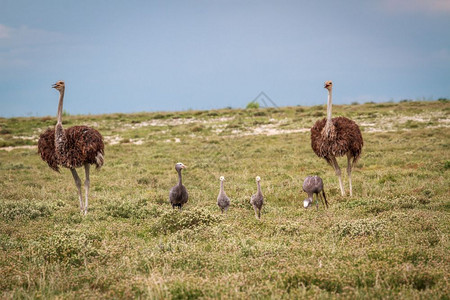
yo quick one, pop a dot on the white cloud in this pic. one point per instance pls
(425, 6)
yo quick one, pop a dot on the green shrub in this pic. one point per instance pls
(252, 105)
(197, 128)
(309, 280)
(318, 114)
(387, 178)
(25, 209)
(131, 209)
(174, 220)
(362, 227)
(183, 292)
(70, 247)
(447, 165)
(290, 228)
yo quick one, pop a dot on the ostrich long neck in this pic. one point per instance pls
(60, 107)
(329, 106)
(179, 178)
(60, 138)
(259, 187)
(221, 188)
(328, 131)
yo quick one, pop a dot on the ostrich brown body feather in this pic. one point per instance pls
(82, 146)
(343, 138)
(334, 137)
(72, 148)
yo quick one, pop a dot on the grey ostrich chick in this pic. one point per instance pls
(257, 200)
(178, 194)
(222, 200)
(313, 185)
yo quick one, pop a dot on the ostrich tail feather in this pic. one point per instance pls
(99, 160)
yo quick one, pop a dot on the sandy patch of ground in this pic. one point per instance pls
(10, 148)
(388, 124)
(266, 130)
(116, 139)
(177, 122)
(175, 140)
(22, 137)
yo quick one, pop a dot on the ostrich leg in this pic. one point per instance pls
(335, 165)
(86, 187)
(317, 201)
(256, 212)
(349, 171)
(78, 184)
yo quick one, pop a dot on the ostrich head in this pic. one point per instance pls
(307, 202)
(222, 178)
(328, 85)
(59, 86)
(258, 179)
(179, 166)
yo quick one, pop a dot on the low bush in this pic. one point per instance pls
(362, 227)
(174, 220)
(25, 209)
(131, 209)
(69, 246)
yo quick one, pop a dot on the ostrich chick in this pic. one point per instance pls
(178, 195)
(257, 200)
(313, 185)
(222, 200)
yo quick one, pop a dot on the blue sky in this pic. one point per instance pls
(132, 56)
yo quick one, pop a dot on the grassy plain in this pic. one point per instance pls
(390, 240)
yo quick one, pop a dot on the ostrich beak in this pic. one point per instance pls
(184, 167)
(54, 86)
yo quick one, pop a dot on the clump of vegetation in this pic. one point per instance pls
(180, 290)
(289, 228)
(252, 105)
(447, 165)
(387, 178)
(362, 227)
(260, 114)
(412, 124)
(69, 246)
(197, 128)
(318, 280)
(25, 210)
(131, 209)
(174, 220)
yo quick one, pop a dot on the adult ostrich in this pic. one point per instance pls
(71, 148)
(335, 137)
